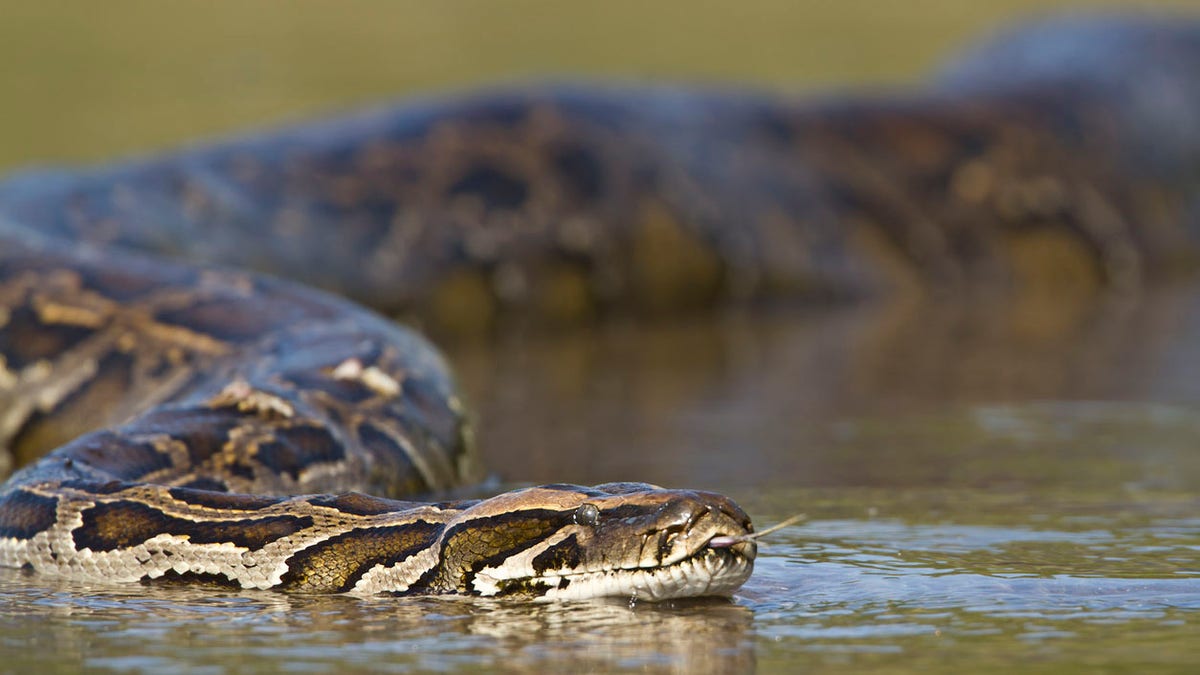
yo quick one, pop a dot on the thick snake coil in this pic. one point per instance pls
(176, 397)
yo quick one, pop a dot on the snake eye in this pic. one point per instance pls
(587, 514)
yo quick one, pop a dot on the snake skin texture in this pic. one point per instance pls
(182, 413)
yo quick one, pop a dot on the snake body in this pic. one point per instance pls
(184, 404)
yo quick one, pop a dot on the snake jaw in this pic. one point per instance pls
(707, 572)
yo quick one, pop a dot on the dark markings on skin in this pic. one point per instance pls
(493, 187)
(359, 504)
(241, 470)
(224, 320)
(381, 445)
(564, 555)
(119, 456)
(580, 170)
(122, 524)
(665, 544)
(628, 513)
(162, 368)
(24, 514)
(207, 483)
(522, 587)
(111, 487)
(202, 430)
(172, 577)
(485, 542)
(297, 448)
(223, 500)
(26, 339)
(119, 284)
(429, 582)
(338, 563)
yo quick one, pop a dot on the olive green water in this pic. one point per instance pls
(978, 499)
(994, 488)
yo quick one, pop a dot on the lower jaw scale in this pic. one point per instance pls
(700, 576)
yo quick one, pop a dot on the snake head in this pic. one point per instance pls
(614, 540)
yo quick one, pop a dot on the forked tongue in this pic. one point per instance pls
(725, 541)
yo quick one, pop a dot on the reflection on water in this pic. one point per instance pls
(787, 393)
(981, 495)
(941, 579)
(183, 630)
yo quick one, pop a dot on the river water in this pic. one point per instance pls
(982, 490)
(986, 487)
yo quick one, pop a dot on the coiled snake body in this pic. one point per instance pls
(178, 397)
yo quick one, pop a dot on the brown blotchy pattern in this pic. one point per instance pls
(474, 545)
(122, 524)
(226, 411)
(26, 339)
(206, 484)
(229, 322)
(668, 198)
(337, 564)
(203, 432)
(124, 285)
(223, 500)
(103, 450)
(111, 487)
(563, 555)
(24, 514)
(294, 449)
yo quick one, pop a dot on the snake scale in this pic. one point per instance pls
(178, 418)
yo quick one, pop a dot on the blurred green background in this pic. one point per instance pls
(89, 80)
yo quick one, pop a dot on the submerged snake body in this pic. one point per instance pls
(179, 396)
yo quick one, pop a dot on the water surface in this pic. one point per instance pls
(975, 499)
(987, 487)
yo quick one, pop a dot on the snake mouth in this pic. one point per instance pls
(709, 571)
